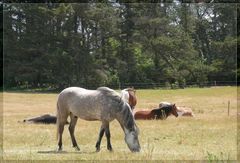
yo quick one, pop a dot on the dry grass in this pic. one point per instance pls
(211, 135)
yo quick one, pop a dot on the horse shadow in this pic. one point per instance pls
(64, 152)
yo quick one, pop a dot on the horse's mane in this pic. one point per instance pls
(129, 89)
(163, 104)
(164, 109)
(107, 91)
(110, 93)
(167, 109)
(128, 118)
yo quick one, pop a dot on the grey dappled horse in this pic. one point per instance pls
(103, 104)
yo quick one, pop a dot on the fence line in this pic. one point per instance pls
(160, 85)
(173, 85)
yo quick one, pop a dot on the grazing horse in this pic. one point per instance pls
(159, 113)
(129, 96)
(45, 119)
(103, 104)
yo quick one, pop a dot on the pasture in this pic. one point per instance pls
(210, 135)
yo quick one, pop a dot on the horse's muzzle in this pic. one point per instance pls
(136, 150)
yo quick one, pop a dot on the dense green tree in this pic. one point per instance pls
(56, 45)
(1, 43)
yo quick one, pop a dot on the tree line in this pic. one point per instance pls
(55, 45)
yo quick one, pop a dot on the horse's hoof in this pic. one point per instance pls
(77, 148)
(110, 149)
(97, 149)
(59, 149)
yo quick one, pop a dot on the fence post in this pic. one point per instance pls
(228, 107)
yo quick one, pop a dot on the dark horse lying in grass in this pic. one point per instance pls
(45, 119)
(159, 113)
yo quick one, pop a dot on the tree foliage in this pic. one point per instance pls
(94, 44)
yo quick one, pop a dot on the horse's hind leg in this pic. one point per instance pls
(60, 132)
(61, 120)
(108, 135)
(102, 129)
(71, 129)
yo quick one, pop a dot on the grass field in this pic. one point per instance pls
(210, 135)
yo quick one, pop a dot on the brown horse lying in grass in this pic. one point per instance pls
(184, 111)
(159, 113)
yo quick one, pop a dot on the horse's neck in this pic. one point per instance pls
(126, 119)
(160, 113)
(125, 95)
(132, 99)
(168, 111)
(157, 113)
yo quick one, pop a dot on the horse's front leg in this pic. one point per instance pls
(108, 135)
(102, 129)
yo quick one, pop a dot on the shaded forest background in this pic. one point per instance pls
(56, 45)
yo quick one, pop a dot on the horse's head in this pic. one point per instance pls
(126, 119)
(131, 138)
(174, 110)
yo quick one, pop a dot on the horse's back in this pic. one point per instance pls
(73, 91)
(142, 114)
(77, 92)
(86, 104)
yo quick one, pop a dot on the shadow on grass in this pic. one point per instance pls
(64, 152)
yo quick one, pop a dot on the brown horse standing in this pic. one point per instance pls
(129, 96)
(159, 113)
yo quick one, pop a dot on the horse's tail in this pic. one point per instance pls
(60, 119)
(62, 115)
(57, 121)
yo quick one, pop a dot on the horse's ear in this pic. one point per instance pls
(133, 89)
(174, 104)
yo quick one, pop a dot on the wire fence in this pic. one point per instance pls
(160, 85)
(163, 85)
